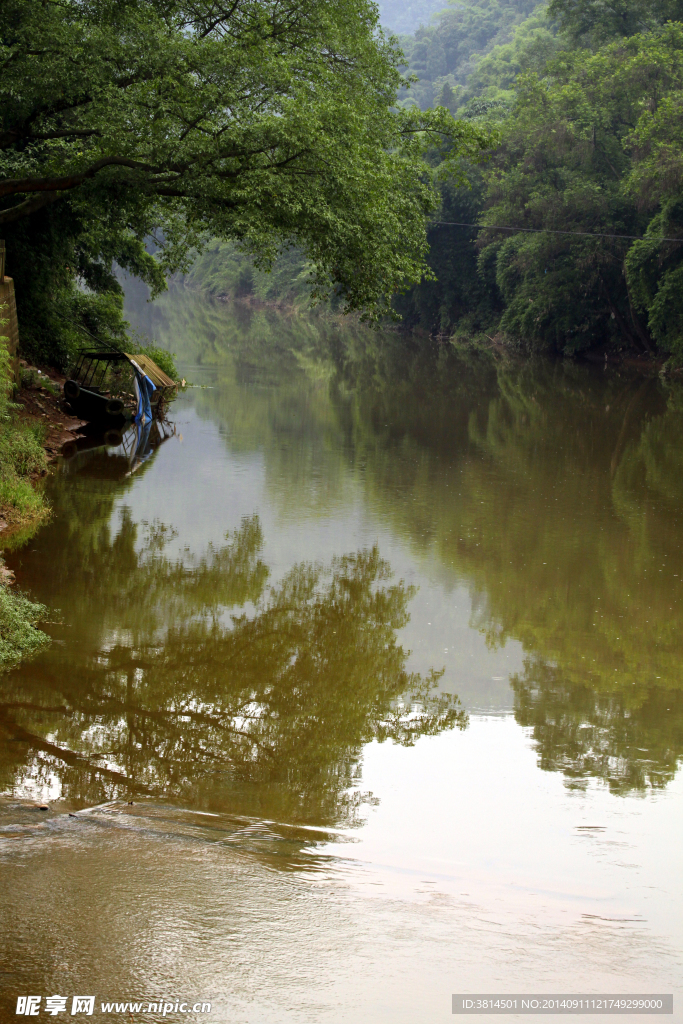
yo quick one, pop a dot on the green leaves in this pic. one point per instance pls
(593, 146)
(261, 121)
(595, 22)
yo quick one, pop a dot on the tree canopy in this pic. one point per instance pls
(587, 97)
(598, 21)
(268, 122)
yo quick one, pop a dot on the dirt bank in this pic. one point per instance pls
(40, 399)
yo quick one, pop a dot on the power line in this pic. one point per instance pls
(550, 231)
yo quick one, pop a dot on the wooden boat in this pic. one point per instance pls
(101, 387)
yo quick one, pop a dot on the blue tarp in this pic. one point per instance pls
(143, 390)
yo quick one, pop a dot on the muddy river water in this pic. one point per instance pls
(365, 688)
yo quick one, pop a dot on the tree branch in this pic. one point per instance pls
(70, 757)
(11, 186)
(12, 137)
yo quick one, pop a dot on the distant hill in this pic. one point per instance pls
(404, 16)
(447, 50)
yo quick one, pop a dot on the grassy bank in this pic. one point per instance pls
(22, 458)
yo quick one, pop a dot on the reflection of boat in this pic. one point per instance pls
(142, 440)
(111, 438)
(113, 454)
(112, 387)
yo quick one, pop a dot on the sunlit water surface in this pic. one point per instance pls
(364, 688)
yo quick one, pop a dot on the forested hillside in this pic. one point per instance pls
(446, 51)
(588, 98)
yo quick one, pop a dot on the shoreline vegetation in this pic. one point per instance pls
(227, 275)
(506, 175)
(570, 239)
(23, 460)
(98, 175)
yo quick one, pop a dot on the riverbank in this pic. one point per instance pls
(651, 363)
(298, 308)
(33, 432)
(40, 402)
(30, 426)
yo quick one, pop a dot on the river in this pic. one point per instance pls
(364, 686)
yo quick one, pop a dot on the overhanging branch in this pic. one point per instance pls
(13, 186)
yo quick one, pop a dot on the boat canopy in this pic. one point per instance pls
(157, 376)
(93, 366)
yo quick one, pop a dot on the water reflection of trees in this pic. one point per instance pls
(585, 728)
(555, 493)
(553, 490)
(170, 687)
(580, 559)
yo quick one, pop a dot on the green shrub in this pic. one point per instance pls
(21, 452)
(21, 455)
(161, 356)
(164, 360)
(19, 636)
(19, 501)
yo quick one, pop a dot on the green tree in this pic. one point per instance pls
(592, 148)
(458, 298)
(598, 21)
(264, 122)
(588, 97)
(456, 38)
(486, 45)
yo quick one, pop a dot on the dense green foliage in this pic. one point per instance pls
(594, 22)
(290, 138)
(265, 122)
(20, 455)
(445, 53)
(588, 98)
(584, 152)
